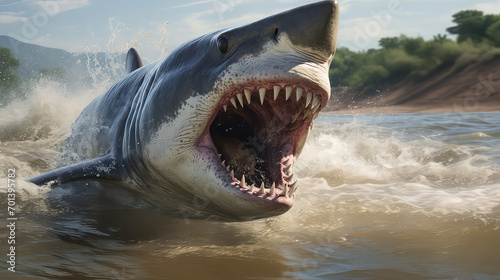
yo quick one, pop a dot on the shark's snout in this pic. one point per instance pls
(313, 26)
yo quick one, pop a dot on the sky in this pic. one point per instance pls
(156, 27)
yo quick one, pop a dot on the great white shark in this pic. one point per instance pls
(216, 126)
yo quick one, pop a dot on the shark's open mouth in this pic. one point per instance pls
(259, 130)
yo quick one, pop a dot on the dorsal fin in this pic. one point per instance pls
(134, 61)
(99, 169)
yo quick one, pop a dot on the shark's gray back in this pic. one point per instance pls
(99, 127)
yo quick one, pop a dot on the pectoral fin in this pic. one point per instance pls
(99, 169)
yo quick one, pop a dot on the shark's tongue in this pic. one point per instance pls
(269, 162)
(237, 155)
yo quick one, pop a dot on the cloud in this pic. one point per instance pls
(11, 17)
(54, 7)
(51, 7)
(364, 33)
(212, 20)
(488, 8)
(189, 4)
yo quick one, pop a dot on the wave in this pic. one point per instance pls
(34, 127)
(353, 153)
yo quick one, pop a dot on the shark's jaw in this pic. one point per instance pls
(257, 132)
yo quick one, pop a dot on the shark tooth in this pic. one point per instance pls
(240, 98)
(287, 170)
(315, 109)
(288, 90)
(299, 92)
(248, 95)
(315, 101)
(262, 94)
(225, 108)
(297, 114)
(293, 188)
(233, 101)
(309, 97)
(261, 189)
(294, 118)
(306, 113)
(242, 183)
(276, 91)
(271, 191)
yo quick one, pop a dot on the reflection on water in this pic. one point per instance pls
(380, 197)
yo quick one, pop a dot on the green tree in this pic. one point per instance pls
(411, 45)
(8, 80)
(346, 64)
(448, 52)
(440, 38)
(472, 24)
(373, 74)
(389, 43)
(399, 63)
(493, 33)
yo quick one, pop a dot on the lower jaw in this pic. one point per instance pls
(257, 206)
(266, 208)
(269, 205)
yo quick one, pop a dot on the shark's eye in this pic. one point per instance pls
(223, 44)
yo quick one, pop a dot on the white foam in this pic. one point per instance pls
(353, 153)
(354, 168)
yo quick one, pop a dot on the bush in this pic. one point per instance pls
(448, 52)
(493, 33)
(8, 80)
(346, 63)
(373, 74)
(399, 63)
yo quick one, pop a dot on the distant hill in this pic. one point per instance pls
(80, 69)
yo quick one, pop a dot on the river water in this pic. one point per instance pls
(405, 196)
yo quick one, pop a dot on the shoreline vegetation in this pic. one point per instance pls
(404, 75)
(475, 88)
(412, 75)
